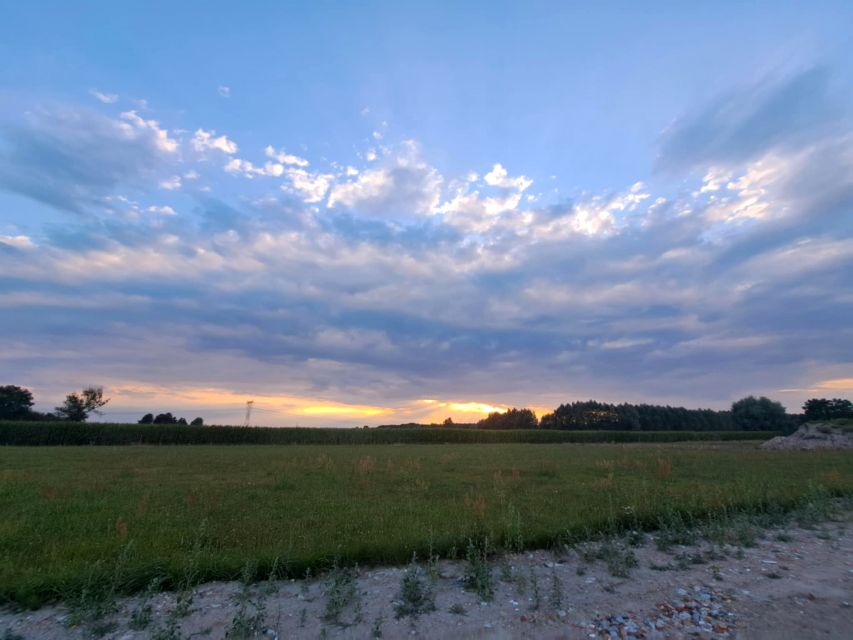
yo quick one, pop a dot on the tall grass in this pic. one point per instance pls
(74, 434)
(70, 514)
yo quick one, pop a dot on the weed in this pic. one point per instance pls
(715, 573)
(415, 593)
(581, 570)
(535, 596)
(142, 615)
(11, 635)
(340, 592)
(636, 538)
(303, 617)
(457, 609)
(506, 572)
(556, 596)
(662, 567)
(478, 569)
(248, 622)
(773, 575)
(784, 537)
(618, 558)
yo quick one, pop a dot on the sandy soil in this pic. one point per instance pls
(796, 588)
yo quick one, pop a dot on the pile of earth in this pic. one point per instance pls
(815, 435)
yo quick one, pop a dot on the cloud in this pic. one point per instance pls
(18, 242)
(170, 184)
(74, 159)
(224, 91)
(204, 141)
(403, 187)
(163, 210)
(106, 98)
(498, 177)
(285, 158)
(334, 295)
(778, 113)
(161, 136)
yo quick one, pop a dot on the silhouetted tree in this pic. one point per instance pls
(165, 418)
(197, 422)
(823, 409)
(15, 402)
(148, 418)
(512, 419)
(759, 414)
(78, 406)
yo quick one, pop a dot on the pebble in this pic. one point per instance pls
(704, 613)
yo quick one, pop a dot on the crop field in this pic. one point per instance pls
(75, 434)
(72, 516)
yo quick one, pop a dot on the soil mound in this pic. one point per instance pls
(815, 435)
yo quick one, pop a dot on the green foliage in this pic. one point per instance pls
(78, 406)
(54, 433)
(824, 409)
(593, 415)
(512, 419)
(15, 402)
(478, 569)
(759, 414)
(415, 595)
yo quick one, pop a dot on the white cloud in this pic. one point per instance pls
(170, 184)
(161, 136)
(311, 186)
(19, 242)
(191, 175)
(403, 187)
(164, 210)
(285, 158)
(206, 140)
(106, 98)
(224, 91)
(498, 177)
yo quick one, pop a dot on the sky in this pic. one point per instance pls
(373, 212)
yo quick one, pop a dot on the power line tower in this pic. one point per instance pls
(248, 419)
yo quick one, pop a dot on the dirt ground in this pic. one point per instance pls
(795, 583)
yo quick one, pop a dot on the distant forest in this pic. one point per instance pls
(747, 414)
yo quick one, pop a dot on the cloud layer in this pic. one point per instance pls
(194, 267)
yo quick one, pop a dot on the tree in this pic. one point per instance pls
(165, 418)
(512, 419)
(148, 418)
(759, 414)
(15, 402)
(78, 406)
(823, 409)
(197, 422)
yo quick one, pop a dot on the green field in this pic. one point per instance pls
(71, 515)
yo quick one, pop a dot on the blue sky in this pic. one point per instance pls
(378, 211)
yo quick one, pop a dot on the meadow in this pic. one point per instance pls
(73, 517)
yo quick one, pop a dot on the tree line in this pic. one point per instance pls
(747, 414)
(16, 403)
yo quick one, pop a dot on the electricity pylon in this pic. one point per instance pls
(249, 404)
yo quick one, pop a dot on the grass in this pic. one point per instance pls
(79, 521)
(104, 434)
